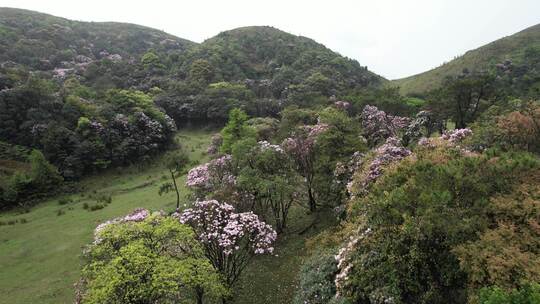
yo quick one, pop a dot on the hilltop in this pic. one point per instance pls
(512, 48)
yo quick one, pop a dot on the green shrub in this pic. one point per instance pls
(528, 294)
(97, 206)
(317, 280)
(420, 211)
(65, 201)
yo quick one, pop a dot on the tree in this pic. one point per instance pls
(175, 163)
(235, 130)
(269, 177)
(215, 178)
(467, 96)
(301, 148)
(44, 175)
(377, 125)
(229, 239)
(151, 61)
(146, 258)
(201, 71)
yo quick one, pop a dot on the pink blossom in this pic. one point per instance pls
(137, 215)
(457, 135)
(218, 225)
(378, 125)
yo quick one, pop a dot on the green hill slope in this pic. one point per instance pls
(263, 52)
(511, 48)
(45, 42)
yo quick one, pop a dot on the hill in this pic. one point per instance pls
(92, 95)
(263, 52)
(513, 48)
(44, 42)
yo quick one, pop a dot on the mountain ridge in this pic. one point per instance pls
(484, 57)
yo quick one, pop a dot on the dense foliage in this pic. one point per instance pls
(146, 258)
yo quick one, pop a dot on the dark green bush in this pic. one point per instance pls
(317, 279)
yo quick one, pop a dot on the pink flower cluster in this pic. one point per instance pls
(344, 171)
(425, 142)
(301, 143)
(264, 145)
(215, 143)
(208, 176)
(218, 225)
(391, 151)
(457, 135)
(198, 177)
(378, 125)
(343, 259)
(137, 215)
(316, 130)
(343, 105)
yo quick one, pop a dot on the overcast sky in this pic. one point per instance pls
(394, 38)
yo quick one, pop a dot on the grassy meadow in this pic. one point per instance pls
(40, 259)
(40, 253)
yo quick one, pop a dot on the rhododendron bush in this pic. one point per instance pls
(420, 223)
(229, 239)
(378, 125)
(301, 148)
(216, 175)
(390, 152)
(146, 256)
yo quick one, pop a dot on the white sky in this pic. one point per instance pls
(394, 38)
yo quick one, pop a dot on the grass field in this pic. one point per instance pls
(40, 259)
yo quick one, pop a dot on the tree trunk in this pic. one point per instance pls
(199, 294)
(312, 204)
(176, 189)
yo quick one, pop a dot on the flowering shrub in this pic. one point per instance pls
(300, 147)
(457, 135)
(230, 239)
(137, 215)
(212, 176)
(264, 145)
(344, 261)
(342, 105)
(391, 151)
(215, 143)
(434, 216)
(146, 258)
(378, 125)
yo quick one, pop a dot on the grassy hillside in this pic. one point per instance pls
(41, 250)
(508, 48)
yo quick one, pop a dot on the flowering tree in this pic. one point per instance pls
(342, 105)
(378, 125)
(229, 239)
(391, 151)
(457, 135)
(215, 143)
(146, 258)
(268, 175)
(423, 124)
(301, 148)
(214, 176)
